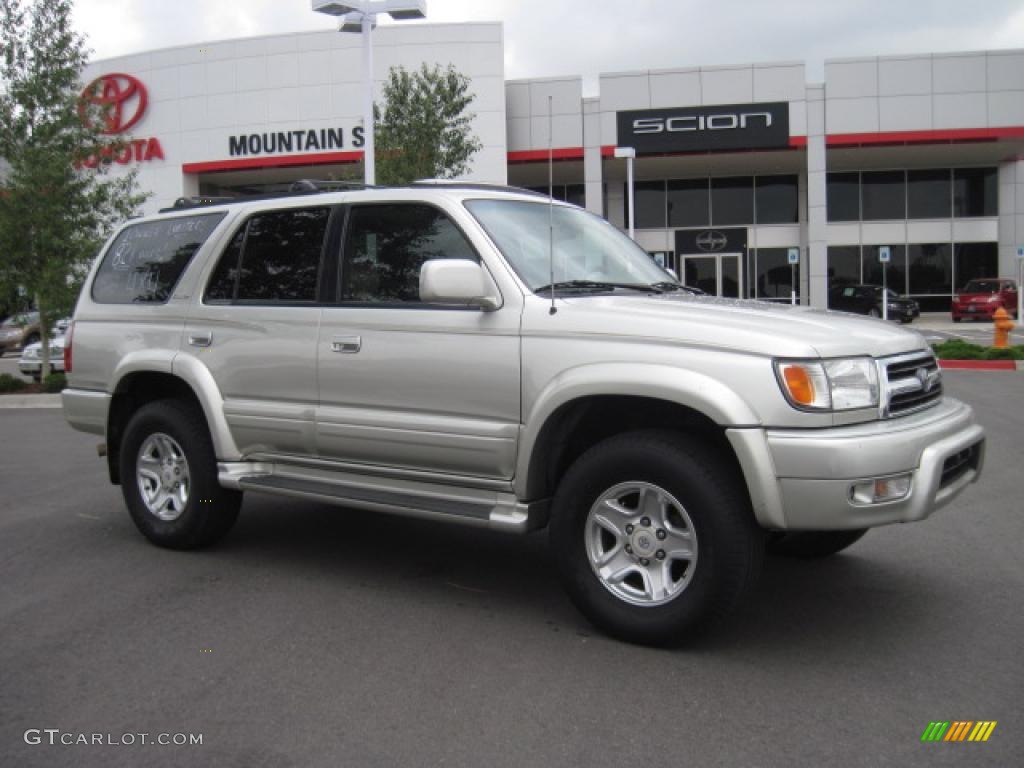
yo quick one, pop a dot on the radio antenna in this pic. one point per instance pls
(551, 209)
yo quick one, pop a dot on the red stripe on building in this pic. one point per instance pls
(541, 155)
(273, 161)
(925, 137)
(979, 365)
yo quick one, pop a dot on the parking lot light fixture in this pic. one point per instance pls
(361, 16)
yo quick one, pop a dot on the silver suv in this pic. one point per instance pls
(481, 356)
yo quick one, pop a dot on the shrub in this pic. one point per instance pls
(55, 382)
(10, 383)
(958, 349)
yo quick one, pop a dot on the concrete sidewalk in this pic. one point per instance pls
(30, 401)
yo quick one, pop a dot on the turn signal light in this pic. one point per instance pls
(799, 384)
(67, 348)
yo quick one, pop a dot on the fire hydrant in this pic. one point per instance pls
(1003, 326)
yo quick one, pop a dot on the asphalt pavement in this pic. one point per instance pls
(316, 636)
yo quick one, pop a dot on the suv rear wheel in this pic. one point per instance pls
(654, 537)
(169, 478)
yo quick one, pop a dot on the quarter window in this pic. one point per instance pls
(146, 260)
(386, 245)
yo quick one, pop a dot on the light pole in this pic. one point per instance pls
(630, 154)
(361, 16)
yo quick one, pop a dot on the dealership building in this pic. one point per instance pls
(920, 158)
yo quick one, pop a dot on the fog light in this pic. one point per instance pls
(881, 490)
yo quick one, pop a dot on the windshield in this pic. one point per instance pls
(586, 247)
(982, 286)
(19, 321)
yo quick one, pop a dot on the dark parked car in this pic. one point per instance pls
(982, 296)
(867, 300)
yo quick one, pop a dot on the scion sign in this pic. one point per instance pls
(700, 129)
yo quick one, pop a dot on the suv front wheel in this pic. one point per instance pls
(654, 536)
(169, 478)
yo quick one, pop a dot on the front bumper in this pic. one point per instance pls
(34, 367)
(807, 476)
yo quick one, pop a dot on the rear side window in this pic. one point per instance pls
(387, 244)
(274, 258)
(145, 261)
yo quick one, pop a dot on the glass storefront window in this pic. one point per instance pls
(649, 203)
(883, 195)
(732, 200)
(895, 270)
(843, 196)
(774, 274)
(843, 265)
(929, 194)
(576, 194)
(930, 268)
(973, 260)
(689, 203)
(975, 192)
(776, 200)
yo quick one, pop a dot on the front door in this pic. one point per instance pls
(406, 385)
(717, 275)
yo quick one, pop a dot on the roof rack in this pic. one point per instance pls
(318, 186)
(456, 184)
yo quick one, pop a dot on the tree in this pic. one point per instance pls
(53, 212)
(423, 129)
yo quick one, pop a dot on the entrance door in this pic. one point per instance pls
(718, 275)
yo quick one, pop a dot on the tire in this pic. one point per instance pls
(810, 545)
(161, 438)
(956, 319)
(697, 504)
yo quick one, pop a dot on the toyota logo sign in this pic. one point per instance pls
(711, 241)
(121, 100)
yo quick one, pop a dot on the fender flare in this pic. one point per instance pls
(687, 388)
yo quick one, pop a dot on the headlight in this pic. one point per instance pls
(829, 385)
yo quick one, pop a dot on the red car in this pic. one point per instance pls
(983, 296)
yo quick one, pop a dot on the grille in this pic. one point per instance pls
(912, 382)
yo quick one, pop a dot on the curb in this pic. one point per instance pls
(982, 365)
(30, 401)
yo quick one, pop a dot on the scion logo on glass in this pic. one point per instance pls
(121, 100)
(711, 241)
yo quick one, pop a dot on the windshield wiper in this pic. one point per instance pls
(596, 285)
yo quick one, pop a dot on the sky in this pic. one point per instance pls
(587, 37)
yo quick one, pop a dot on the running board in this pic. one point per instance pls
(488, 509)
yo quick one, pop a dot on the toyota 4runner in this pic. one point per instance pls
(487, 357)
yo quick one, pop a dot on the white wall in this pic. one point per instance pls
(200, 95)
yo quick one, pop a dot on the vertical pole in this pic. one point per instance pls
(885, 293)
(792, 284)
(369, 164)
(629, 193)
(1020, 291)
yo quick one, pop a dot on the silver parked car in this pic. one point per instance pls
(485, 357)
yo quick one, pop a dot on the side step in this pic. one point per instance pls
(489, 509)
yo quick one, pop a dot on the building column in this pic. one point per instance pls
(592, 169)
(817, 236)
(1011, 215)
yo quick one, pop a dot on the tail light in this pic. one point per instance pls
(67, 348)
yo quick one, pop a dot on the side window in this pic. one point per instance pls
(146, 260)
(387, 244)
(275, 257)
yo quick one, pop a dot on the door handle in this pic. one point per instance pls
(347, 345)
(200, 338)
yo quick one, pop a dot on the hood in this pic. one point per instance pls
(756, 327)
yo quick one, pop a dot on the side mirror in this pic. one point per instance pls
(458, 281)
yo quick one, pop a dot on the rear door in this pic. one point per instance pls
(255, 328)
(405, 384)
